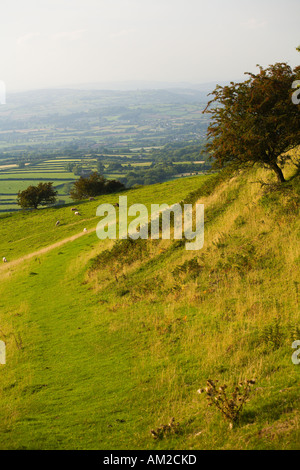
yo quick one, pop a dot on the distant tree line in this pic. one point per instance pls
(159, 172)
(44, 194)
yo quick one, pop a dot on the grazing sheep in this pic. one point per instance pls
(85, 229)
(4, 259)
(57, 223)
(76, 213)
(74, 209)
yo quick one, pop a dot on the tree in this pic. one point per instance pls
(77, 170)
(113, 186)
(114, 166)
(69, 167)
(100, 167)
(42, 194)
(255, 122)
(94, 185)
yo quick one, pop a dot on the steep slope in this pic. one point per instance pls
(107, 341)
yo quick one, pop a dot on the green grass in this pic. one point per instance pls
(100, 354)
(28, 231)
(13, 180)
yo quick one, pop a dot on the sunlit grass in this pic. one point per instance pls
(96, 359)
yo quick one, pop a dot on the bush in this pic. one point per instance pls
(229, 405)
(94, 185)
(124, 252)
(42, 194)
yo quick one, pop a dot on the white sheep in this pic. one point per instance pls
(76, 213)
(57, 223)
(4, 259)
(85, 229)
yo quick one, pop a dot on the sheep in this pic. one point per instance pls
(85, 229)
(91, 199)
(57, 223)
(76, 213)
(4, 259)
(74, 209)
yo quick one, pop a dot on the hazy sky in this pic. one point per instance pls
(46, 43)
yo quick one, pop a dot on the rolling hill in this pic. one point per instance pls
(107, 340)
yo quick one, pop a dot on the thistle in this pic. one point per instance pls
(229, 406)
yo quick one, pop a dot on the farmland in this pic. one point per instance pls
(141, 137)
(14, 180)
(51, 119)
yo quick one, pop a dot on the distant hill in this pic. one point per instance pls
(53, 119)
(134, 85)
(76, 99)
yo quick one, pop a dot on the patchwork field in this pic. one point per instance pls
(52, 118)
(14, 179)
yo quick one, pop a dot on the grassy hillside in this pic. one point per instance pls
(107, 341)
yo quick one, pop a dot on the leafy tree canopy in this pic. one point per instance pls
(255, 121)
(94, 185)
(42, 194)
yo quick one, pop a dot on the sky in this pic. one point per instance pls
(61, 43)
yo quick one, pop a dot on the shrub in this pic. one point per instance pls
(34, 196)
(124, 252)
(229, 405)
(94, 185)
(164, 430)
